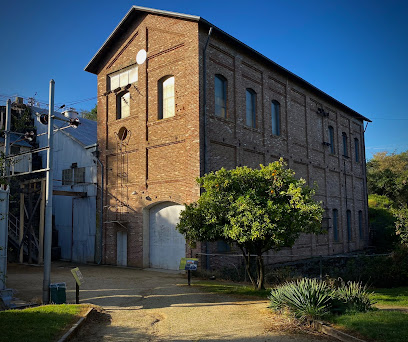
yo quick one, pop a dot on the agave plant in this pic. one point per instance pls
(355, 296)
(305, 298)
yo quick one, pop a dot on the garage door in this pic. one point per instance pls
(167, 245)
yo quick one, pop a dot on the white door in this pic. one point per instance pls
(121, 248)
(167, 245)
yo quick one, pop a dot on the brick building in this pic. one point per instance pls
(178, 97)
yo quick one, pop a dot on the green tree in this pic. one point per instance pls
(387, 175)
(90, 115)
(257, 209)
(401, 223)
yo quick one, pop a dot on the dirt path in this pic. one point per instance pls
(154, 306)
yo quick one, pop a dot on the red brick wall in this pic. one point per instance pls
(160, 160)
(231, 143)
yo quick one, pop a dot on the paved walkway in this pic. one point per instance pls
(153, 306)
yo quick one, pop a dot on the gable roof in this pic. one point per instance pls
(134, 11)
(85, 134)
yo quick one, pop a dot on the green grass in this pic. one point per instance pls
(391, 297)
(44, 323)
(233, 289)
(382, 326)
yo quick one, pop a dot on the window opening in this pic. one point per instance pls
(250, 108)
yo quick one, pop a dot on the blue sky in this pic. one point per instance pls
(356, 51)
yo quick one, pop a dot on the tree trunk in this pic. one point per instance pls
(247, 260)
(260, 271)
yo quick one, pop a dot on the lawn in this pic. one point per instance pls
(380, 325)
(377, 325)
(384, 326)
(391, 297)
(233, 289)
(44, 323)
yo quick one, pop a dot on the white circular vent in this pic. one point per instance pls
(141, 56)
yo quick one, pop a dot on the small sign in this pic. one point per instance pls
(78, 276)
(188, 264)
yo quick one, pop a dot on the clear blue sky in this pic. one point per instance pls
(356, 51)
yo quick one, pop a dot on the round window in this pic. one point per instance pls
(122, 134)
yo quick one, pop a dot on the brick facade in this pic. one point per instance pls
(159, 160)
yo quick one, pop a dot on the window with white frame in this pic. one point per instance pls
(123, 105)
(166, 97)
(123, 77)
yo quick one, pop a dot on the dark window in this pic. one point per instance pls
(250, 108)
(275, 118)
(79, 175)
(360, 224)
(357, 149)
(67, 177)
(122, 105)
(223, 247)
(348, 225)
(345, 150)
(331, 139)
(335, 225)
(166, 97)
(220, 89)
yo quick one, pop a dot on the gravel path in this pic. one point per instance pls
(146, 305)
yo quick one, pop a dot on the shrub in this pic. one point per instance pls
(354, 296)
(305, 298)
(314, 299)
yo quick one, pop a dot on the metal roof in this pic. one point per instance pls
(84, 134)
(126, 21)
(16, 139)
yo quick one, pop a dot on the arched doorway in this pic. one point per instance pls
(166, 245)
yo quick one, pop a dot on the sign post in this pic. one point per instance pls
(79, 279)
(188, 264)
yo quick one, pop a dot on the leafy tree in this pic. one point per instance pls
(382, 223)
(387, 175)
(401, 223)
(257, 209)
(90, 115)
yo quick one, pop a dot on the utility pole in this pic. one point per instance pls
(48, 200)
(7, 138)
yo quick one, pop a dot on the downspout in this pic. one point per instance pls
(207, 262)
(101, 214)
(205, 98)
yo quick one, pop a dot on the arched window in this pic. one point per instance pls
(250, 108)
(166, 97)
(275, 117)
(360, 224)
(331, 139)
(345, 149)
(357, 149)
(122, 105)
(220, 96)
(348, 225)
(335, 225)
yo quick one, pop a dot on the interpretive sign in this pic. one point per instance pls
(78, 276)
(188, 264)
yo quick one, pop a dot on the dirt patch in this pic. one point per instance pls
(141, 305)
